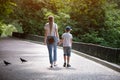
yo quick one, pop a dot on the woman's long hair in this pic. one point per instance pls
(51, 20)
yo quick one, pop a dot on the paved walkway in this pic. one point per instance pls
(37, 67)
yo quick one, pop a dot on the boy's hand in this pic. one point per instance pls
(58, 43)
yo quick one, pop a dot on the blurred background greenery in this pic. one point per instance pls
(92, 21)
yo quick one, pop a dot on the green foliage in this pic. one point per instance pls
(6, 30)
(6, 7)
(88, 13)
(30, 16)
(17, 25)
(92, 21)
(1, 28)
(111, 37)
(112, 15)
(92, 37)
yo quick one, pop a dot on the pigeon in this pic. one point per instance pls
(23, 60)
(6, 63)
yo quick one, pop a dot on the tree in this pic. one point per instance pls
(88, 13)
(6, 7)
(30, 14)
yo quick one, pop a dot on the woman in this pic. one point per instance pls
(51, 31)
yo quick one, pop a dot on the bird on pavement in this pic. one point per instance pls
(6, 63)
(23, 60)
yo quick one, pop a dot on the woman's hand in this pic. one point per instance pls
(60, 42)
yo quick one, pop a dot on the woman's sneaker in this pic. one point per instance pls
(68, 65)
(55, 64)
(51, 66)
(64, 65)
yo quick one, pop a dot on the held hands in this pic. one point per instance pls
(59, 42)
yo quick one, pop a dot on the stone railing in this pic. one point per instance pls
(105, 53)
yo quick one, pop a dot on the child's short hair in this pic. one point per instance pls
(68, 28)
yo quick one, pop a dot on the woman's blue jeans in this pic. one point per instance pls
(52, 49)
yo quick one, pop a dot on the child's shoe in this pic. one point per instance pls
(68, 65)
(64, 65)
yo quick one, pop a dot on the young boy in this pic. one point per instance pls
(67, 45)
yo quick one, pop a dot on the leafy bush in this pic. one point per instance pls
(92, 37)
(111, 37)
(17, 25)
(6, 30)
(1, 28)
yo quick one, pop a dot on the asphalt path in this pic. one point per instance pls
(37, 66)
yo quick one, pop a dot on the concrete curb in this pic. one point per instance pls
(105, 63)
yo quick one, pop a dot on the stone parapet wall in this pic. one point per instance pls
(105, 53)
